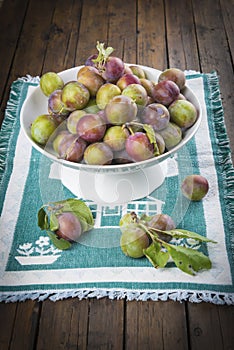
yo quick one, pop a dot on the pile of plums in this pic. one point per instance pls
(112, 113)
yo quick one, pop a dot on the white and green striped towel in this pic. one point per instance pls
(30, 266)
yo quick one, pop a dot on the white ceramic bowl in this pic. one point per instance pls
(36, 104)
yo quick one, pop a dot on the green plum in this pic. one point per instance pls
(106, 93)
(137, 93)
(75, 96)
(183, 113)
(121, 109)
(195, 187)
(172, 135)
(98, 153)
(50, 82)
(133, 241)
(42, 128)
(116, 137)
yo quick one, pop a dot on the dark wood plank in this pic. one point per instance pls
(11, 22)
(25, 325)
(211, 326)
(181, 37)
(151, 42)
(155, 325)
(7, 321)
(63, 325)
(122, 29)
(106, 324)
(227, 7)
(64, 29)
(214, 54)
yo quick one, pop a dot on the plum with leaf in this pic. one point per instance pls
(69, 227)
(133, 240)
(110, 67)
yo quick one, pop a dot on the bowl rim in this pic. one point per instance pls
(115, 168)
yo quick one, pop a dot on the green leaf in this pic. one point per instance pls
(187, 259)
(54, 224)
(42, 219)
(179, 233)
(151, 136)
(78, 208)
(59, 243)
(155, 255)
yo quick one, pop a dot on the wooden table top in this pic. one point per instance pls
(39, 36)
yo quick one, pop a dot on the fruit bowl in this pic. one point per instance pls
(118, 183)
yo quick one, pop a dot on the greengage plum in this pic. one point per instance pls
(137, 93)
(56, 106)
(165, 92)
(138, 71)
(195, 187)
(89, 61)
(91, 79)
(133, 241)
(98, 153)
(92, 106)
(121, 109)
(91, 127)
(173, 74)
(148, 85)
(75, 95)
(172, 135)
(73, 119)
(75, 151)
(156, 115)
(69, 227)
(105, 93)
(50, 82)
(116, 137)
(71, 148)
(138, 147)
(59, 139)
(42, 128)
(160, 143)
(86, 69)
(126, 80)
(183, 113)
(162, 222)
(113, 69)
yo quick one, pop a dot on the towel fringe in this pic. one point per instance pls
(129, 295)
(223, 153)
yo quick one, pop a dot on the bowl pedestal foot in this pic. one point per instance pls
(117, 188)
